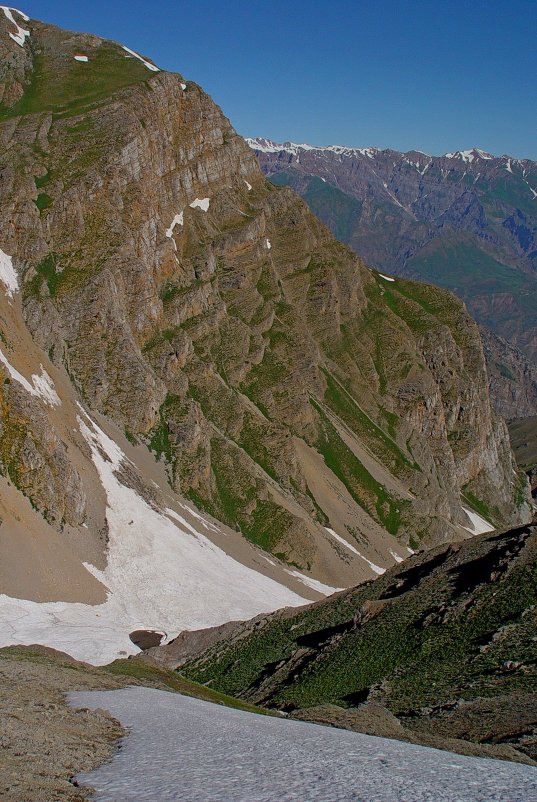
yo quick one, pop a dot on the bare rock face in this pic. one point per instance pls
(513, 378)
(212, 317)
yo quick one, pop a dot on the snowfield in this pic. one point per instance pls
(162, 573)
(479, 525)
(218, 754)
(41, 386)
(8, 276)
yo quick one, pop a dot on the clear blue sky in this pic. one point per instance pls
(436, 76)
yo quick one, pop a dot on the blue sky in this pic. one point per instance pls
(435, 76)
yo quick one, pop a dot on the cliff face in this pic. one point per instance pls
(466, 220)
(512, 377)
(287, 387)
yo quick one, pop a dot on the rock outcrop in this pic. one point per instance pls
(512, 377)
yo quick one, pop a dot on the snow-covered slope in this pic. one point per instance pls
(162, 573)
(271, 759)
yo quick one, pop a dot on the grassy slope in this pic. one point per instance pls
(445, 630)
(337, 210)
(65, 87)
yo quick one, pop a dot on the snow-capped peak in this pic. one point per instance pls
(468, 156)
(268, 146)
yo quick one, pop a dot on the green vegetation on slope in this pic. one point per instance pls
(446, 629)
(365, 490)
(67, 87)
(523, 434)
(467, 269)
(381, 444)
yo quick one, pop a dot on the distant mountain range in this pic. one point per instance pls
(466, 220)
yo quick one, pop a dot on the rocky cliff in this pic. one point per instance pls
(512, 377)
(330, 415)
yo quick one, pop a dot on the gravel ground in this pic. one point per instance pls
(183, 749)
(43, 742)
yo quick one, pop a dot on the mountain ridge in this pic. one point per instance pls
(440, 648)
(249, 415)
(469, 155)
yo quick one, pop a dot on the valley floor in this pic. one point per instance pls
(179, 748)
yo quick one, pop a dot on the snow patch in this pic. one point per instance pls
(396, 557)
(178, 220)
(203, 521)
(248, 186)
(312, 583)
(376, 568)
(22, 33)
(268, 244)
(342, 540)
(8, 275)
(141, 58)
(386, 278)
(200, 203)
(161, 574)
(81, 58)
(183, 87)
(479, 525)
(42, 386)
(216, 753)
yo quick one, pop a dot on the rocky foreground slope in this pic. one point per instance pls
(45, 741)
(443, 647)
(178, 335)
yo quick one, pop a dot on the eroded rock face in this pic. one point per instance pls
(212, 317)
(513, 377)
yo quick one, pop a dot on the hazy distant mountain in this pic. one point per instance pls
(466, 220)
